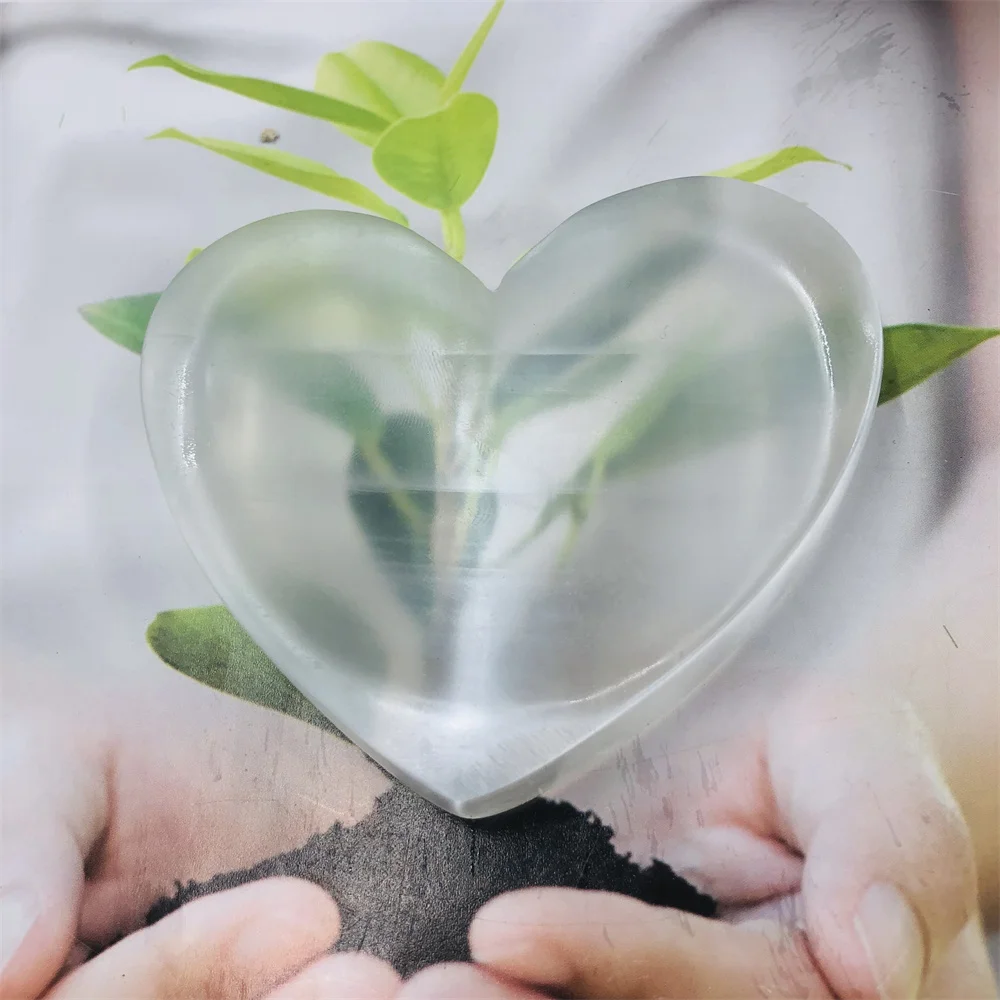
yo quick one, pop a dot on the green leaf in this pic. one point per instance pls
(464, 62)
(604, 313)
(296, 169)
(697, 407)
(769, 164)
(278, 95)
(439, 159)
(563, 502)
(703, 405)
(122, 320)
(326, 385)
(388, 81)
(589, 375)
(391, 491)
(915, 351)
(633, 442)
(210, 646)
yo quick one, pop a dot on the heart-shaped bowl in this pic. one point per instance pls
(493, 534)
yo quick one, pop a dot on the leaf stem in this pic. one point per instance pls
(453, 230)
(403, 503)
(581, 508)
(569, 542)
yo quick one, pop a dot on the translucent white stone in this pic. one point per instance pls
(491, 534)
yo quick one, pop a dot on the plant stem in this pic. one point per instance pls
(401, 500)
(580, 510)
(453, 230)
(569, 543)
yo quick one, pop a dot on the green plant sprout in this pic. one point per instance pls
(432, 142)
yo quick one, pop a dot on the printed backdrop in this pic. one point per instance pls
(594, 98)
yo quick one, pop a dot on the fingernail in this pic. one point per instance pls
(893, 940)
(18, 911)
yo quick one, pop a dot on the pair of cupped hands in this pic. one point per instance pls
(826, 831)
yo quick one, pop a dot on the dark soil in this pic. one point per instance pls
(409, 877)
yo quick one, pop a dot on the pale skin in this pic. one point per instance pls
(835, 789)
(840, 789)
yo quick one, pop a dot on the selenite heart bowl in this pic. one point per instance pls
(493, 534)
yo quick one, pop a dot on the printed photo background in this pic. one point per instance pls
(593, 99)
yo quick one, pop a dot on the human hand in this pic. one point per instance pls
(243, 943)
(836, 807)
(156, 781)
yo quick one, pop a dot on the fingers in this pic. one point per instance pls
(350, 976)
(458, 981)
(889, 878)
(239, 943)
(356, 976)
(595, 944)
(54, 810)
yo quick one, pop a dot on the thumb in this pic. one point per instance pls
(889, 878)
(54, 809)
